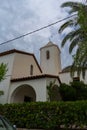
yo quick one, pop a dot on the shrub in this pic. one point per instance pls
(81, 90)
(46, 115)
(77, 90)
(53, 92)
(67, 92)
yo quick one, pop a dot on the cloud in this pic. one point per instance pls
(18, 17)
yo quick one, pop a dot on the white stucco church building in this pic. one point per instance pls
(26, 80)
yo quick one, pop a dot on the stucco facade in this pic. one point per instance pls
(65, 77)
(26, 80)
(52, 64)
(34, 88)
(22, 64)
(20, 85)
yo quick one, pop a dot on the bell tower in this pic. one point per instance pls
(50, 60)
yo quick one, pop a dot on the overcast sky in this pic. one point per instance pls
(18, 17)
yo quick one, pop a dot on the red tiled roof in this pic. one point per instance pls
(13, 51)
(36, 77)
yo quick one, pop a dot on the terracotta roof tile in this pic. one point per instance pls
(35, 77)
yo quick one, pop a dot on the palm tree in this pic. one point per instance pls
(78, 34)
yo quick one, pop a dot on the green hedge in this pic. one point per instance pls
(46, 114)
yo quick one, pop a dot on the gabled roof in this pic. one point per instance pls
(49, 44)
(66, 69)
(21, 52)
(35, 77)
(14, 51)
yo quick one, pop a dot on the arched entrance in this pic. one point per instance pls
(23, 93)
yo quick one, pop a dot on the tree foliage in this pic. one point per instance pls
(3, 70)
(77, 37)
(53, 92)
(67, 92)
(1, 93)
(77, 90)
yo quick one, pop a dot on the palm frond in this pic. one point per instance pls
(80, 60)
(65, 39)
(65, 25)
(69, 37)
(74, 6)
(78, 35)
(73, 44)
(75, 33)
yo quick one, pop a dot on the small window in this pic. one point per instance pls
(76, 79)
(47, 54)
(31, 70)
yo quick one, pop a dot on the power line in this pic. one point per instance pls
(44, 27)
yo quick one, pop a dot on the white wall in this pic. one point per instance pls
(66, 78)
(39, 85)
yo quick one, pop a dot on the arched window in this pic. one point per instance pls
(31, 70)
(47, 55)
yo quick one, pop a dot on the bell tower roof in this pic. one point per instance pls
(49, 44)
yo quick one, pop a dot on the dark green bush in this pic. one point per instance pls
(1, 109)
(81, 90)
(46, 115)
(68, 93)
(77, 90)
